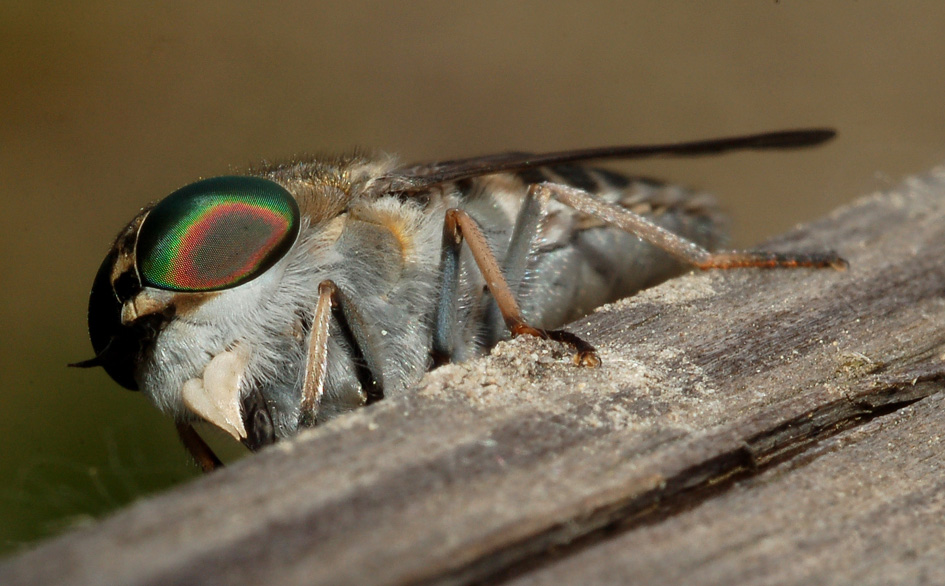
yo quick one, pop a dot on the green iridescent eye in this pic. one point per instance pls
(216, 233)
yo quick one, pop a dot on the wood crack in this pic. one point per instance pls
(693, 486)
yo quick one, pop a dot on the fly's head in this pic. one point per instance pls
(188, 306)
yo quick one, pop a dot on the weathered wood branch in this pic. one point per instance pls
(745, 427)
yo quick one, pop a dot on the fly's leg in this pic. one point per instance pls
(523, 235)
(461, 227)
(199, 450)
(316, 366)
(520, 245)
(444, 331)
(678, 246)
(332, 303)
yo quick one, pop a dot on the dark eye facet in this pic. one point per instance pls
(216, 233)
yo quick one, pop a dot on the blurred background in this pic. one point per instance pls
(107, 106)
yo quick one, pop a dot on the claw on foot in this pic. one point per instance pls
(585, 354)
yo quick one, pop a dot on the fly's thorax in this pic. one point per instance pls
(388, 255)
(580, 262)
(326, 187)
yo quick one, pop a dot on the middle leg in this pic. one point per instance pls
(461, 227)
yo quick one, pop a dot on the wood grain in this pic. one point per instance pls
(746, 427)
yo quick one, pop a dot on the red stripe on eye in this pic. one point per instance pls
(225, 244)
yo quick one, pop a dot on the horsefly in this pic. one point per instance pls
(274, 301)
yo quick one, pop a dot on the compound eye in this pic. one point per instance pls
(216, 233)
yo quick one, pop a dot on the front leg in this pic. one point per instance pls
(333, 304)
(197, 448)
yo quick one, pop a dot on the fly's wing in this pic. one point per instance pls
(417, 178)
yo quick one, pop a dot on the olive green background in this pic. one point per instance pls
(106, 106)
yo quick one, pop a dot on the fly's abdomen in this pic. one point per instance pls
(578, 263)
(575, 262)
